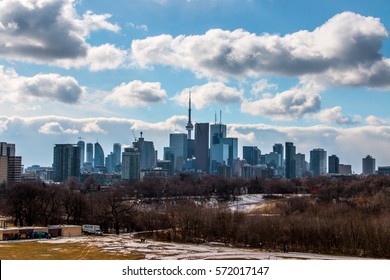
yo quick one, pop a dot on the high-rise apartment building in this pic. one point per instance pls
(290, 160)
(300, 165)
(202, 146)
(318, 162)
(334, 164)
(131, 160)
(10, 165)
(66, 162)
(368, 165)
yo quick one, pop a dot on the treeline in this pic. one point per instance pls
(343, 216)
(346, 217)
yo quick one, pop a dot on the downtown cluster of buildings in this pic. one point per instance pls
(210, 152)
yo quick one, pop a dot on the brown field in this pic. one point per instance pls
(35, 250)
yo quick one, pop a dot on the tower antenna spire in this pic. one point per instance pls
(189, 126)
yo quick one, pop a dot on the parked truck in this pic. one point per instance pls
(92, 230)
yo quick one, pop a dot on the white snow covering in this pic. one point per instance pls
(156, 250)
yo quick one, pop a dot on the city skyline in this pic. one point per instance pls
(279, 74)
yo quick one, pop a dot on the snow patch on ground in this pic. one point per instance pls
(156, 250)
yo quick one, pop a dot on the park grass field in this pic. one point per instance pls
(35, 250)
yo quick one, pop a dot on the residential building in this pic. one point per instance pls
(334, 164)
(66, 162)
(345, 169)
(368, 165)
(318, 162)
(131, 163)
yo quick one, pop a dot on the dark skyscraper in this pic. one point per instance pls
(116, 154)
(81, 145)
(251, 154)
(290, 160)
(202, 146)
(278, 148)
(318, 162)
(147, 152)
(334, 164)
(89, 158)
(66, 162)
(98, 160)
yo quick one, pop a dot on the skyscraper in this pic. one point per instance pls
(278, 148)
(179, 146)
(66, 162)
(98, 160)
(81, 145)
(251, 154)
(368, 165)
(131, 159)
(300, 165)
(233, 150)
(202, 146)
(318, 162)
(334, 164)
(219, 152)
(290, 160)
(116, 156)
(147, 152)
(89, 153)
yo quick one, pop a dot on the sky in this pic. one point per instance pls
(316, 73)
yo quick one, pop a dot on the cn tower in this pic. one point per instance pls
(189, 125)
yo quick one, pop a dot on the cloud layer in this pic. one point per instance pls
(137, 93)
(20, 89)
(343, 51)
(51, 32)
(208, 94)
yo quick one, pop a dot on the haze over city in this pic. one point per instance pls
(313, 73)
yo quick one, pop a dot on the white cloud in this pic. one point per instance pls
(19, 89)
(347, 44)
(375, 121)
(335, 116)
(208, 94)
(137, 93)
(287, 105)
(262, 85)
(55, 128)
(93, 127)
(51, 32)
(3, 124)
(92, 22)
(142, 27)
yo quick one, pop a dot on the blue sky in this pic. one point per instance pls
(313, 72)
